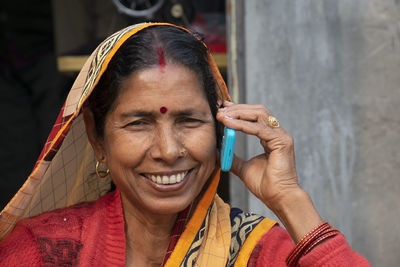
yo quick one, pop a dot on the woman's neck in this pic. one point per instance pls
(147, 235)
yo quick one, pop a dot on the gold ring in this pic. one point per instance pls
(273, 122)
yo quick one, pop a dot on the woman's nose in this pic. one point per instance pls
(167, 145)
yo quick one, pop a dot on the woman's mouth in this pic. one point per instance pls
(167, 179)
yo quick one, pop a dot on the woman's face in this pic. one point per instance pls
(160, 112)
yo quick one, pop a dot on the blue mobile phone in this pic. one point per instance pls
(228, 146)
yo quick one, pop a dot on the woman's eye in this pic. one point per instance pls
(136, 123)
(190, 120)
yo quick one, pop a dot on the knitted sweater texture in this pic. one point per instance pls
(92, 234)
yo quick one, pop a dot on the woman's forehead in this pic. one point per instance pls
(168, 86)
(167, 81)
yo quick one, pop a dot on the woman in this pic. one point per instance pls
(151, 102)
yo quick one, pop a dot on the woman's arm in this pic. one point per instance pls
(277, 244)
(272, 177)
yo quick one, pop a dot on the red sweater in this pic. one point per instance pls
(92, 234)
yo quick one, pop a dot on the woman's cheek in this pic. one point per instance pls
(201, 143)
(128, 149)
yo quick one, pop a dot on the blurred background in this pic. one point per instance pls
(328, 70)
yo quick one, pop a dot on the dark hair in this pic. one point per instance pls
(141, 51)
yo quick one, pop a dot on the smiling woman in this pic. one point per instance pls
(145, 115)
(135, 124)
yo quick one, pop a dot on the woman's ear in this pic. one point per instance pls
(94, 139)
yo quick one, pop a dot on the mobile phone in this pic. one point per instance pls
(228, 146)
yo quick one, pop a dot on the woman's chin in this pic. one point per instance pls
(168, 208)
(169, 211)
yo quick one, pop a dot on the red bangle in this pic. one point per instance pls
(310, 241)
(296, 252)
(312, 232)
(331, 233)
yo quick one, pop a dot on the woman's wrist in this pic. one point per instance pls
(297, 213)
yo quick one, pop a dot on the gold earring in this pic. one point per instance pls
(99, 172)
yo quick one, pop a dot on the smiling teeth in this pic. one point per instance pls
(165, 179)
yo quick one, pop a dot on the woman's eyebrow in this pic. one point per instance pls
(189, 112)
(137, 113)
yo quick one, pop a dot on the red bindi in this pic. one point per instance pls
(163, 110)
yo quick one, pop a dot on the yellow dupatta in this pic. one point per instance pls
(65, 175)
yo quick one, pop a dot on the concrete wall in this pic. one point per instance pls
(330, 71)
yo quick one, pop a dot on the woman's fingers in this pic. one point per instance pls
(248, 127)
(238, 166)
(254, 120)
(246, 112)
(232, 105)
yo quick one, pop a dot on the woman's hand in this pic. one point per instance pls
(271, 175)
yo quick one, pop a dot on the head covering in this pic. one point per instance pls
(65, 171)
